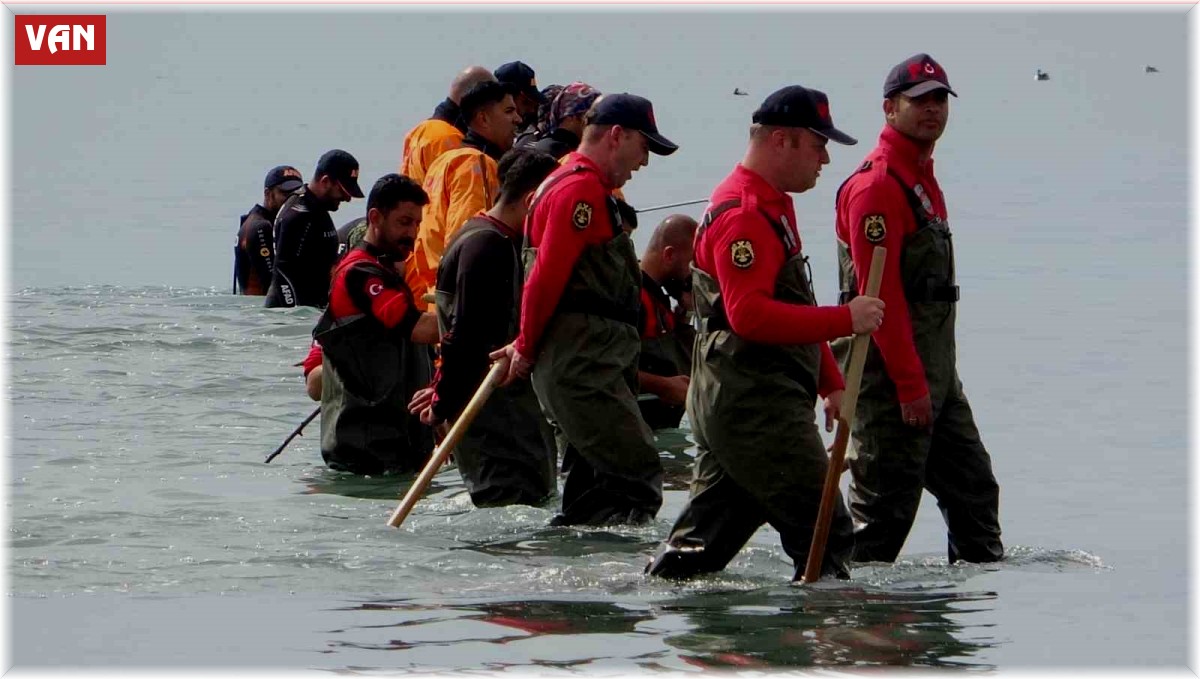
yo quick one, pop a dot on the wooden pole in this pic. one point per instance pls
(494, 377)
(837, 457)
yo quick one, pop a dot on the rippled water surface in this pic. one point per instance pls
(146, 530)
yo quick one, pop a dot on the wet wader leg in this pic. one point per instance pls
(792, 507)
(888, 478)
(717, 521)
(959, 474)
(615, 475)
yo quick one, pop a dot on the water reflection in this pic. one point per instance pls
(838, 626)
(768, 628)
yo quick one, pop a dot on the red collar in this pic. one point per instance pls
(504, 228)
(759, 186)
(576, 158)
(900, 148)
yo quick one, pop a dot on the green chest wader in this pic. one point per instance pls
(895, 461)
(585, 376)
(507, 455)
(761, 458)
(370, 373)
(665, 355)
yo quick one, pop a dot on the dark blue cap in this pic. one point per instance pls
(916, 75)
(342, 168)
(284, 177)
(796, 106)
(632, 112)
(521, 77)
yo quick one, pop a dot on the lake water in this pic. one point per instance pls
(145, 530)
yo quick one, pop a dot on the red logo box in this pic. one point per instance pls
(60, 40)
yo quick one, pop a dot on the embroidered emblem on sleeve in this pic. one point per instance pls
(264, 251)
(582, 216)
(874, 228)
(742, 253)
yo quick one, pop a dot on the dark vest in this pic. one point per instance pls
(799, 363)
(927, 276)
(370, 373)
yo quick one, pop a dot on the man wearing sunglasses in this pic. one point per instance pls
(306, 242)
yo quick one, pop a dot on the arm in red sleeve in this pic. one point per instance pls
(894, 338)
(314, 357)
(559, 248)
(830, 379)
(749, 290)
(392, 306)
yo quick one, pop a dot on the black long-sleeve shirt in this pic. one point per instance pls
(306, 247)
(478, 269)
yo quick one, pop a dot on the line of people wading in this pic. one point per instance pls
(506, 237)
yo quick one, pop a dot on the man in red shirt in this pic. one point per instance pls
(369, 334)
(913, 427)
(763, 355)
(579, 316)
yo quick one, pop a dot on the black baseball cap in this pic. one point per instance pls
(521, 77)
(796, 106)
(284, 177)
(343, 168)
(632, 112)
(916, 75)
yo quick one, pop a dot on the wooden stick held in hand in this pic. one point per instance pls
(837, 457)
(495, 376)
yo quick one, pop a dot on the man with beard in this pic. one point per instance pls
(254, 254)
(306, 243)
(507, 455)
(665, 363)
(463, 182)
(368, 336)
(578, 334)
(914, 428)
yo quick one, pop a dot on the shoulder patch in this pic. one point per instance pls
(582, 215)
(874, 228)
(742, 253)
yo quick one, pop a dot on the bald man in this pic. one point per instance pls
(665, 363)
(444, 130)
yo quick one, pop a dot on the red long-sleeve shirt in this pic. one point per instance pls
(553, 228)
(748, 287)
(873, 193)
(356, 292)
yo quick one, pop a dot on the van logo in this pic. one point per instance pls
(59, 40)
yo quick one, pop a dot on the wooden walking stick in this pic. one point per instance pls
(494, 377)
(837, 457)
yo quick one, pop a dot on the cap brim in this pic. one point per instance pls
(351, 186)
(834, 134)
(925, 88)
(290, 185)
(659, 145)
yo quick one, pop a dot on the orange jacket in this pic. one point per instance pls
(460, 184)
(424, 143)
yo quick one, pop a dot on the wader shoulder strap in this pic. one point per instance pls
(711, 216)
